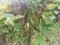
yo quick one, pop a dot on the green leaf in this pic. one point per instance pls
(8, 16)
(13, 33)
(46, 29)
(56, 12)
(5, 30)
(59, 7)
(9, 21)
(48, 17)
(38, 40)
(57, 0)
(20, 39)
(19, 16)
(17, 27)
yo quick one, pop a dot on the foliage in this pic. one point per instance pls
(42, 26)
(9, 27)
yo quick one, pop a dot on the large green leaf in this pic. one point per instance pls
(48, 17)
(9, 21)
(8, 16)
(18, 16)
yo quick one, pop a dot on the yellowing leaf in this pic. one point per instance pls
(51, 6)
